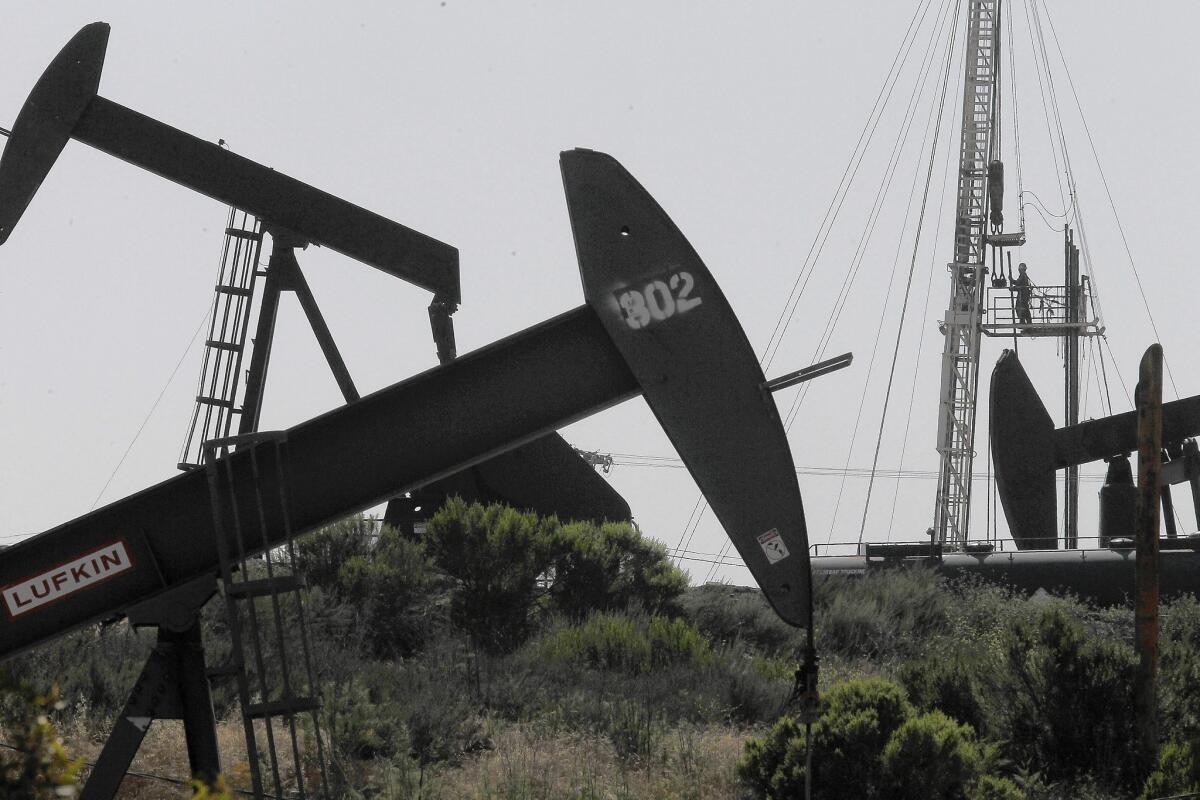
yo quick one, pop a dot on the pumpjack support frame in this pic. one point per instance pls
(656, 324)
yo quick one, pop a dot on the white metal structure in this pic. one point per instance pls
(964, 318)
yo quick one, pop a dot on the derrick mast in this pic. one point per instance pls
(964, 317)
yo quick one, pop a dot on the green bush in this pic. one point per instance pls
(421, 710)
(948, 684)
(636, 729)
(890, 613)
(499, 559)
(321, 554)
(1179, 675)
(631, 643)
(94, 668)
(993, 787)
(848, 740)
(37, 765)
(734, 614)
(1068, 700)
(612, 567)
(754, 694)
(397, 593)
(1178, 771)
(930, 757)
(513, 568)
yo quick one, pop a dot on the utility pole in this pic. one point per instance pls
(1148, 399)
(1073, 316)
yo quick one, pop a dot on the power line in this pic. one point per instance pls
(1108, 192)
(672, 462)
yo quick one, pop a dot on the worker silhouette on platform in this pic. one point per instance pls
(1021, 287)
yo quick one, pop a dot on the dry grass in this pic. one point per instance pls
(526, 763)
(164, 754)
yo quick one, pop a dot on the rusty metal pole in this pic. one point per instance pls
(1148, 399)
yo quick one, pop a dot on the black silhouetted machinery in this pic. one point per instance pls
(655, 323)
(1027, 453)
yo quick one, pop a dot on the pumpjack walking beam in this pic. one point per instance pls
(655, 323)
(64, 105)
(1027, 449)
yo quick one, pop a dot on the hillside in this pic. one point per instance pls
(503, 656)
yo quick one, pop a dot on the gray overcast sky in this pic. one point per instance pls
(448, 117)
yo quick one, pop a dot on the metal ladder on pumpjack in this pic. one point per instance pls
(265, 613)
(264, 607)
(216, 393)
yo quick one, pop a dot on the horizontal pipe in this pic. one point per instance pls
(1105, 576)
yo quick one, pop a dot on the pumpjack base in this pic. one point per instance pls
(173, 684)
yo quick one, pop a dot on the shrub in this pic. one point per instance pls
(993, 787)
(860, 718)
(1069, 700)
(421, 710)
(38, 766)
(930, 757)
(94, 668)
(847, 741)
(1178, 771)
(635, 729)
(754, 693)
(1179, 683)
(729, 614)
(612, 567)
(947, 684)
(884, 614)
(396, 591)
(631, 643)
(499, 558)
(321, 554)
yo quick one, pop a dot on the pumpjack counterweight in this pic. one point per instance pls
(656, 324)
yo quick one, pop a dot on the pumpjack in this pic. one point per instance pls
(654, 323)
(1027, 452)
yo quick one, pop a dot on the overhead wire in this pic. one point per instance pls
(937, 123)
(154, 407)
(839, 196)
(918, 91)
(1108, 194)
(864, 140)
(636, 460)
(848, 282)
(1013, 95)
(1039, 67)
(933, 261)
(1063, 215)
(1117, 369)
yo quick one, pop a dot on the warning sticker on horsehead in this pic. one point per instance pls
(772, 545)
(57, 582)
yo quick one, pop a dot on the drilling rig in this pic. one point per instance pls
(980, 307)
